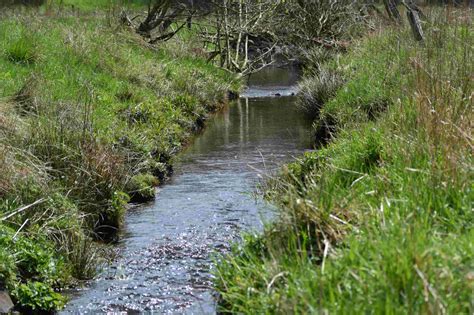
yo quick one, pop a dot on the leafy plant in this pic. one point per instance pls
(38, 296)
(8, 269)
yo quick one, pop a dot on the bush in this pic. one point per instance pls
(319, 20)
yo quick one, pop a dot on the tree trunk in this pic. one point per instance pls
(415, 23)
(392, 10)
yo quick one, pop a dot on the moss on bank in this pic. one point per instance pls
(90, 117)
(379, 220)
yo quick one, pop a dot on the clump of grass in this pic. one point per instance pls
(22, 50)
(84, 257)
(316, 56)
(316, 90)
(24, 99)
(379, 220)
(142, 187)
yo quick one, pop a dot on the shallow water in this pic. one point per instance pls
(167, 246)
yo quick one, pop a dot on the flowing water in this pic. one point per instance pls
(166, 249)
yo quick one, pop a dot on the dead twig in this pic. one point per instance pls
(37, 202)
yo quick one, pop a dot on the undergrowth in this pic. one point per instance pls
(380, 219)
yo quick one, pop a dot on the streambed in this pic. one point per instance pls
(166, 247)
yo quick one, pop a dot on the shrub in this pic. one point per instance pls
(313, 20)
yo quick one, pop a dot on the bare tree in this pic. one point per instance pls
(241, 33)
(413, 14)
(321, 20)
(244, 36)
(160, 17)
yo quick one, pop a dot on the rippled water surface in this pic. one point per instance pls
(166, 249)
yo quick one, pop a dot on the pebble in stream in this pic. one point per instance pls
(167, 247)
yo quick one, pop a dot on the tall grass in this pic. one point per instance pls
(380, 220)
(316, 90)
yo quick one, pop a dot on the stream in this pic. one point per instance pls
(166, 248)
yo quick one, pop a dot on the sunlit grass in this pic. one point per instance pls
(379, 220)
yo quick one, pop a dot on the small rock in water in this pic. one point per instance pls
(278, 94)
(6, 303)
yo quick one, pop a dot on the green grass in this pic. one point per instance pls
(90, 117)
(105, 4)
(99, 6)
(380, 219)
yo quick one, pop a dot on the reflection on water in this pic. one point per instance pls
(165, 259)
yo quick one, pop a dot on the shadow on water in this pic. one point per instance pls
(165, 261)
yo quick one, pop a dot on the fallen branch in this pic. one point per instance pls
(37, 202)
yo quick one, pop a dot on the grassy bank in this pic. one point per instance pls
(380, 219)
(90, 119)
